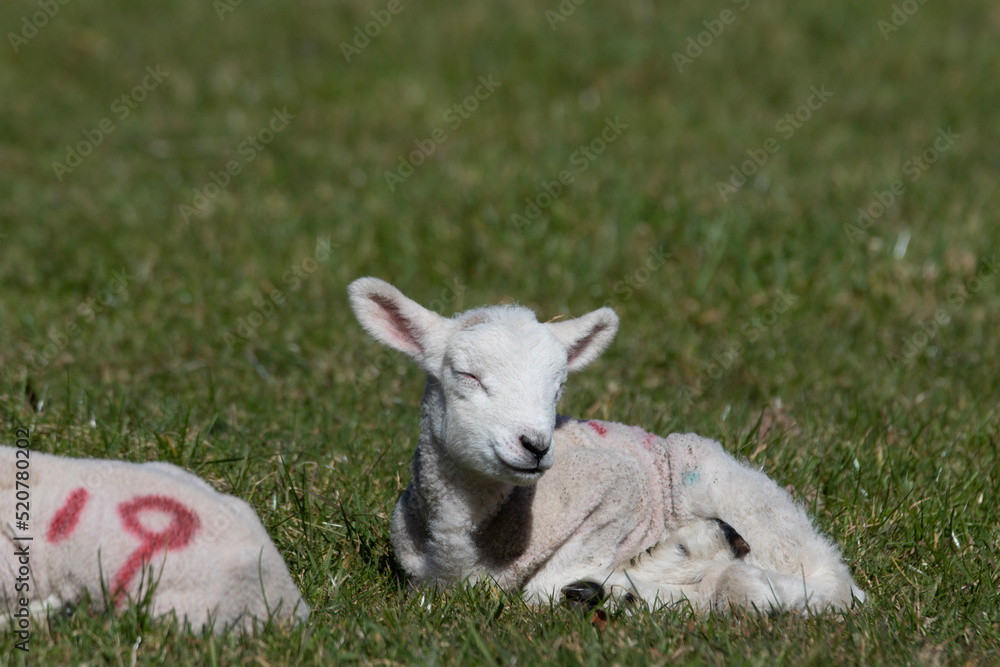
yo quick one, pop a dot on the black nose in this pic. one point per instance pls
(533, 447)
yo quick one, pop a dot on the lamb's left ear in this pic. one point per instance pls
(586, 337)
(401, 323)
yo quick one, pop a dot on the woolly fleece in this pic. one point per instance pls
(208, 553)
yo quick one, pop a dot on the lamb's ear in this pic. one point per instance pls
(401, 323)
(737, 544)
(586, 337)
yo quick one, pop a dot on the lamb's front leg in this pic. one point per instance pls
(723, 586)
(626, 590)
(686, 565)
(577, 565)
(588, 514)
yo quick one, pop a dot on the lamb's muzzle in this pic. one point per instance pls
(538, 446)
(619, 509)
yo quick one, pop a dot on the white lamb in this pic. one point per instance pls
(504, 488)
(111, 527)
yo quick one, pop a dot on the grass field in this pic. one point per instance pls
(188, 188)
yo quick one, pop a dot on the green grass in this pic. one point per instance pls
(314, 426)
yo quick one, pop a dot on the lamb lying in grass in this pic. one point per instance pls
(109, 528)
(504, 488)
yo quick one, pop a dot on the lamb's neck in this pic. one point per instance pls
(451, 499)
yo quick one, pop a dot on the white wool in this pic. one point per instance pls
(505, 489)
(208, 553)
(789, 564)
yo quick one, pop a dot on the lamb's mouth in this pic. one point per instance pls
(534, 471)
(527, 471)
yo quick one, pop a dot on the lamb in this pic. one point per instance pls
(503, 488)
(112, 528)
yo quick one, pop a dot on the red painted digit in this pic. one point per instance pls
(65, 519)
(174, 537)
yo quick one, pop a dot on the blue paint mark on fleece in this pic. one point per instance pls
(691, 478)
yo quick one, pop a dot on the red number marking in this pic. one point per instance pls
(65, 520)
(175, 536)
(600, 428)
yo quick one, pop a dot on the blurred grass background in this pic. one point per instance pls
(218, 336)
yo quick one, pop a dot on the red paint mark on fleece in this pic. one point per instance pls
(599, 428)
(68, 516)
(175, 536)
(648, 440)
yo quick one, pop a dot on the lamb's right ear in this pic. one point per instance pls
(401, 323)
(586, 337)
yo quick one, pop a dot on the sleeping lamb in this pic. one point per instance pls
(111, 527)
(504, 488)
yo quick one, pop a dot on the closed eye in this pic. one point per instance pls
(469, 379)
(683, 549)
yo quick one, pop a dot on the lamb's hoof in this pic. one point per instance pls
(584, 594)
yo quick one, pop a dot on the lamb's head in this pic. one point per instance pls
(495, 374)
